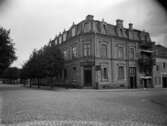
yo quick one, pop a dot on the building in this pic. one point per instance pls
(160, 68)
(102, 55)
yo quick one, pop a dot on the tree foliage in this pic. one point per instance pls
(12, 73)
(7, 51)
(45, 62)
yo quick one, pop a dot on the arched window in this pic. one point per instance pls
(103, 50)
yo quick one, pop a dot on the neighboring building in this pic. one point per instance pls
(98, 54)
(160, 68)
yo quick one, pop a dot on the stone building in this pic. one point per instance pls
(98, 54)
(160, 68)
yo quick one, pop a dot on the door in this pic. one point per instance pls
(87, 77)
(133, 82)
(132, 77)
(164, 82)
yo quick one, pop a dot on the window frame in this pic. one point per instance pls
(132, 56)
(103, 51)
(121, 74)
(120, 56)
(86, 49)
(74, 52)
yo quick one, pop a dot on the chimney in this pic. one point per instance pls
(89, 17)
(119, 23)
(130, 26)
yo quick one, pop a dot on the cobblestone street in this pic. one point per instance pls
(137, 107)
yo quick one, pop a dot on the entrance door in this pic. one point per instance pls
(164, 82)
(87, 77)
(133, 82)
(145, 83)
(132, 77)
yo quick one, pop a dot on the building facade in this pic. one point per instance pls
(160, 68)
(101, 55)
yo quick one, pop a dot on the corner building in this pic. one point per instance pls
(101, 55)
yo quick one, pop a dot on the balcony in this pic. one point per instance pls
(146, 61)
(149, 46)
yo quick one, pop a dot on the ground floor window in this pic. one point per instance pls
(121, 73)
(104, 73)
(65, 73)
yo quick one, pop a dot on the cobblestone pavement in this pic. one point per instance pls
(38, 107)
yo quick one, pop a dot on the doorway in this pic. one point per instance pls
(132, 77)
(164, 82)
(133, 82)
(87, 77)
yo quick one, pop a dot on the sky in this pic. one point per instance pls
(34, 22)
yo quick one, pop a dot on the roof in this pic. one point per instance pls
(161, 51)
(89, 25)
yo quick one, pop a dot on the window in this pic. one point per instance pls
(65, 73)
(64, 36)
(73, 31)
(103, 50)
(65, 54)
(55, 41)
(121, 73)
(74, 52)
(131, 53)
(164, 65)
(103, 29)
(87, 27)
(157, 67)
(86, 48)
(60, 39)
(120, 52)
(104, 73)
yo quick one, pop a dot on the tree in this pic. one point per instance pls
(11, 74)
(46, 62)
(7, 51)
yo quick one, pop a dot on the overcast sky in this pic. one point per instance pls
(34, 22)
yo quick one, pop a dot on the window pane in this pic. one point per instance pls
(74, 52)
(73, 31)
(120, 52)
(120, 73)
(103, 50)
(131, 53)
(86, 48)
(104, 73)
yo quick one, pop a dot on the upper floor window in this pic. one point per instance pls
(74, 51)
(55, 41)
(157, 67)
(65, 54)
(103, 50)
(87, 27)
(73, 31)
(87, 49)
(64, 36)
(131, 53)
(60, 39)
(120, 52)
(103, 28)
(121, 73)
(164, 65)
